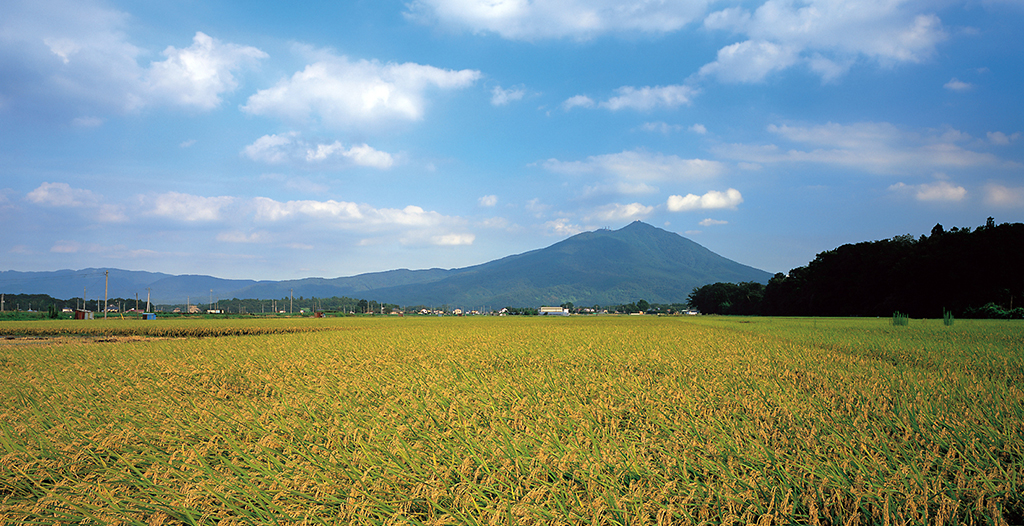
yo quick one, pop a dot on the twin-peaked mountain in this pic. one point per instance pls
(602, 267)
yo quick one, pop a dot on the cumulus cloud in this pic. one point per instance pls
(711, 200)
(453, 239)
(488, 200)
(562, 227)
(289, 148)
(347, 214)
(62, 194)
(503, 97)
(344, 93)
(638, 166)
(713, 222)
(198, 75)
(874, 147)
(937, 191)
(750, 61)
(1003, 196)
(539, 19)
(75, 60)
(619, 212)
(578, 101)
(90, 204)
(825, 35)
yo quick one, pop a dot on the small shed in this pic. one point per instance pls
(84, 314)
(148, 316)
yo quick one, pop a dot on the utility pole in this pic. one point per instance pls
(147, 298)
(291, 301)
(106, 285)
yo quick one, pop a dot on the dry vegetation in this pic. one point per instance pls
(616, 420)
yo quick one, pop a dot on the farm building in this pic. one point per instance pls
(553, 311)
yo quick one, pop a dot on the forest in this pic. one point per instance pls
(968, 273)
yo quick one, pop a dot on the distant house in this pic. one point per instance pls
(553, 311)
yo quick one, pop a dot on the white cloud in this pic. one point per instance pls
(502, 97)
(661, 127)
(639, 165)
(1001, 139)
(347, 214)
(186, 207)
(750, 61)
(236, 236)
(359, 154)
(826, 35)
(289, 148)
(711, 200)
(699, 128)
(344, 93)
(937, 191)
(488, 200)
(713, 222)
(63, 195)
(578, 101)
(641, 99)
(1003, 196)
(562, 227)
(874, 147)
(197, 75)
(538, 19)
(271, 149)
(958, 85)
(647, 98)
(453, 239)
(75, 59)
(619, 212)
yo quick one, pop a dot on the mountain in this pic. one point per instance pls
(602, 267)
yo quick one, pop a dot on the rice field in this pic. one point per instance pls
(602, 420)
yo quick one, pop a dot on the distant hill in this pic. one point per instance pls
(603, 267)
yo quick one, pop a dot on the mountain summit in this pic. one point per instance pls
(602, 267)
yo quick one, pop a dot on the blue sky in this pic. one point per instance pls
(274, 140)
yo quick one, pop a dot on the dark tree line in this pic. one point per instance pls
(976, 273)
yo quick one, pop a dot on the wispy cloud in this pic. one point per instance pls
(639, 166)
(937, 191)
(504, 97)
(881, 148)
(542, 19)
(642, 99)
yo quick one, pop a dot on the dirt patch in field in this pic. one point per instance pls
(52, 340)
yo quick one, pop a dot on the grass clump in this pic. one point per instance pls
(900, 320)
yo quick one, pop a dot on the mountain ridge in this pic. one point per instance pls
(602, 267)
